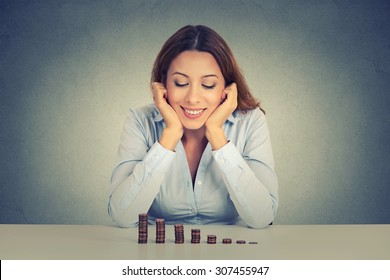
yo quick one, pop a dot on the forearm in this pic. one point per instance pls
(216, 137)
(170, 137)
(254, 195)
(133, 190)
(253, 200)
(130, 198)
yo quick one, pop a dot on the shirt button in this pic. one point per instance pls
(199, 183)
(193, 210)
(222, 160)
(157, 157)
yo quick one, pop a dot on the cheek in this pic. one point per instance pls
(215, 100)
(172, 96)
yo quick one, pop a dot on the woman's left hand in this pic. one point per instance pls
(214, 124)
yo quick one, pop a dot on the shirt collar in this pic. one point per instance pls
(158, 117)
(232, 117)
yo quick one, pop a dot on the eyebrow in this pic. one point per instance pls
(205, 76)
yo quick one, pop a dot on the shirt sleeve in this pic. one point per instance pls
(250, 177)
(137, 175)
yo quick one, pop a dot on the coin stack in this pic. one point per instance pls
(241, 242)
(143, 228)
(195, 235)
(211, 239)
(227, 241)
(160, 231)
(179, 234)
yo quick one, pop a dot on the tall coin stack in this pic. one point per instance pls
(211, 239)
(160, 231)
(195, 235)
(179, 234)
(143, 228)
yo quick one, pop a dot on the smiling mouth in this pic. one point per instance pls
(193, 112)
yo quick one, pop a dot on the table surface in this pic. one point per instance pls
(276, 242)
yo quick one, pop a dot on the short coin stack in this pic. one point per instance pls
(179, 234)
(241, 242)
(195, 235)
(227, 241)
(160, 230)
(211, 239)
(143, 228)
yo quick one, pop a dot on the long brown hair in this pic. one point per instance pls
(204, 39)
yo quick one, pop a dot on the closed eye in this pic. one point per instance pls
(208, 86)
(181, 85)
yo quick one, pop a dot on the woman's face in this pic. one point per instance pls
(195, 87)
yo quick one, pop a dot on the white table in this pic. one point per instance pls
(276, 242)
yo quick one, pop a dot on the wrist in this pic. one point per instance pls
(170, 138)
(216, 137)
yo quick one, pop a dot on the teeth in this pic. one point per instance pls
(195, 112)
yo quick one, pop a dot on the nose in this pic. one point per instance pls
(192, 96)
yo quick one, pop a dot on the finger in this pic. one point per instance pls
(223, 96)
(229, 94)
(159, 90)
(230, 88)
(158, 86)
(225, 92)
(231, 97)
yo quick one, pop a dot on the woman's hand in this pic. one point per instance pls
(214, 124)
(173, 130)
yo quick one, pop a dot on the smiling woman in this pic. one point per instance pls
(202, 152)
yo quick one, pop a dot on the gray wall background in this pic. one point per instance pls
(69, 71)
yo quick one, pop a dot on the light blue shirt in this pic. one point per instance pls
(233, 184)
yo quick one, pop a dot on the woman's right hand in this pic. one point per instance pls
(173, 130)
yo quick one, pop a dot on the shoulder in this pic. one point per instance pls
(145, 121)
(145, 113)
(249, 122)
(253, 115)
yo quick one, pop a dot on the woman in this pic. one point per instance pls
(201, 153)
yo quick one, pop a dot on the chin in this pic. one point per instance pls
(191, 125)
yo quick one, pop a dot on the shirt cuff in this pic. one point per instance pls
(228, 157)
(159, 158)
(230, 163)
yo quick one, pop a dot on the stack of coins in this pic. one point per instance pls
(160, 231)
(143, 228)
(211, 239)
(179, 234)
(195, 235)
(227, 241)
(241, 242)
